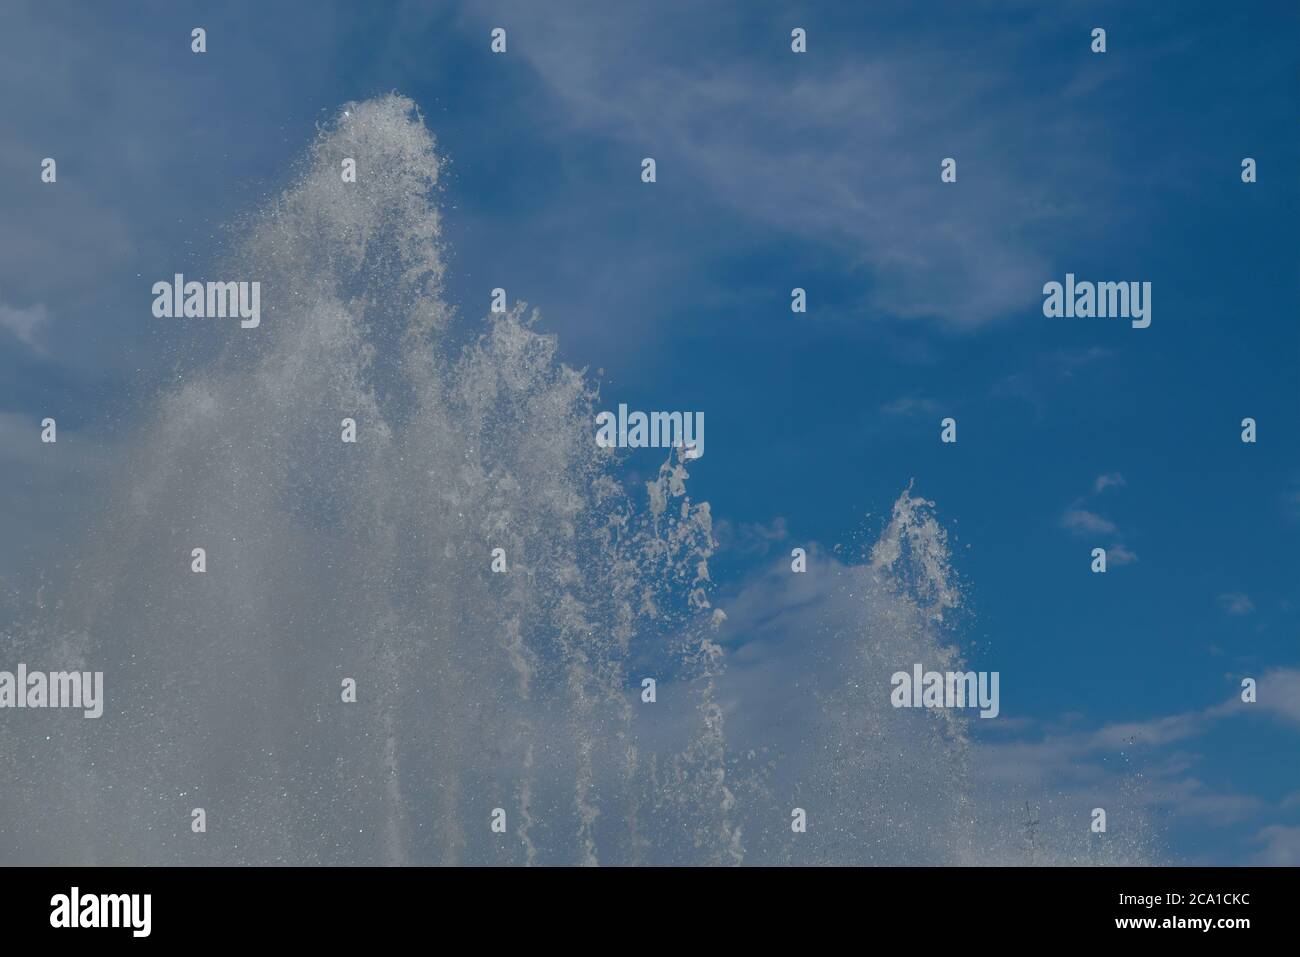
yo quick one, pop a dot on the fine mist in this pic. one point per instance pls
(476, 690)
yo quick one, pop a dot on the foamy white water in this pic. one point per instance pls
(476, 690)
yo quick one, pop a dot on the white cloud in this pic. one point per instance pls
(1119, 554)
(848, 156)
(1155, 731)
(1279, 694)
(1236, 603)
(910, 405)
(1082, 522)
(1109, 480)
(1281, 846)
(748, 538)
(24, 323)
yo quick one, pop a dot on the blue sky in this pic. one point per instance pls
(775, 171)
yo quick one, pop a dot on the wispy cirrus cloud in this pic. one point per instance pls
(1109, 480)
(1083, 522)
(910, 405)
(24, 324)
(1150, 762)
(749, 538)
(1121, 554)
(1236, 603)
(742, 123)
(1280, 846)
(1277, 696)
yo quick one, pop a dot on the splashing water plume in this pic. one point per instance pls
(371, 561)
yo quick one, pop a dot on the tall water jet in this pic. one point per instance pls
(370, 561)
(474, 565)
